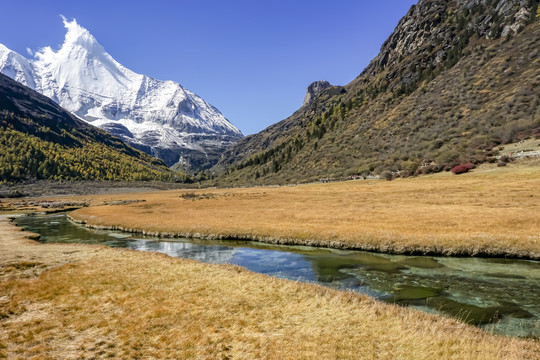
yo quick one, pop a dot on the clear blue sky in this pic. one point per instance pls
(252, 59)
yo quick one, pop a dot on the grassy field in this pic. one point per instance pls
(79, 301)
(491, 211)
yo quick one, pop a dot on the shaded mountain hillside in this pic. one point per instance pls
(40, 140)
(454, 81)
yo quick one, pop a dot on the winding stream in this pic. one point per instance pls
(499, 295)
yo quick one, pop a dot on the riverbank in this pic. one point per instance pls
(61, 301)
(489, 212)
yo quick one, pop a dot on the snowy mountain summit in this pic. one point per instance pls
(159, 117)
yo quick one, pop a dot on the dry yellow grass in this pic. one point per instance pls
(493, 211)
(96, 302)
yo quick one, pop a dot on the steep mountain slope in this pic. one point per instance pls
(40, 140)
(454, 80)
(159, 117)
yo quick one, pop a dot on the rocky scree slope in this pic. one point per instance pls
(454, 81)
(159, 117)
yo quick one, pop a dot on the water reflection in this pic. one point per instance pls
(498, 294)
(211, 254)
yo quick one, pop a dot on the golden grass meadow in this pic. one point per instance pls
(492, 211)
(84, 301)
(80, 301)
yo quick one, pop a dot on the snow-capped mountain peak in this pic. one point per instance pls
(77, 35)
(160, 117)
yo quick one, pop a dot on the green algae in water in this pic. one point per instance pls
(514, 310)
(530, 263)
(422, 262)
(329, 267)
(414, 293)
(506, 276)
(374, 262)
(476, 315)
(467, 313)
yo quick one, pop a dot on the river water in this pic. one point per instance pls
(500, 295)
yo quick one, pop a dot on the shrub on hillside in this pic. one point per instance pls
(505, 159)
(424, 170)
(462, 168)
(387, 175)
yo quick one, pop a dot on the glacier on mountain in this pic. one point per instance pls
(159, 117)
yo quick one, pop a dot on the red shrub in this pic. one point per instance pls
(462, 168)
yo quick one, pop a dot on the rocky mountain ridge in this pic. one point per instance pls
(454, 80)
(314, 89)
(435, 31)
